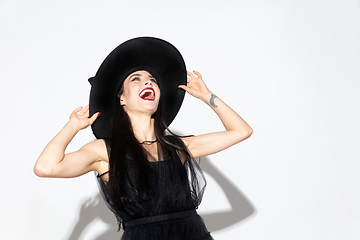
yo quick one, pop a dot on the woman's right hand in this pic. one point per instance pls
(80, 117)
(53, 162)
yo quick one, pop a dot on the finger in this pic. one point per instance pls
(86, 114)
(190, 74)
(186, 88)
(75, 112)
(94, 117)
(77, 109)
(197, 74)
(84, 110)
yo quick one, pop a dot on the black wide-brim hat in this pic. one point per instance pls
(158, 57)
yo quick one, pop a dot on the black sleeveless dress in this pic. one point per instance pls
(176, 188)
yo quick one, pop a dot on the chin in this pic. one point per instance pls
(152, 111)
(151, 105)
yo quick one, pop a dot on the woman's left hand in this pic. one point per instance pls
(195, 85)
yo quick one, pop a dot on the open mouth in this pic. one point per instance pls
(147, 94)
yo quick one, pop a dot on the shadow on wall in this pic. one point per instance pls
(91, 209)
(241, 208)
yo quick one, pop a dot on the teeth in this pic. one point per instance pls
(148, 93)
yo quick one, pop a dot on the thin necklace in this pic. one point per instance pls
(148, 142)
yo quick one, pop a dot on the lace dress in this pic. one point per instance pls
(176, 189)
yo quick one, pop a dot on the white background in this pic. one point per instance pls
(290, 68)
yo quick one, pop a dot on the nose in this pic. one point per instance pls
(148, 83)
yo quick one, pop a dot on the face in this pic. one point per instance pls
(141, 93)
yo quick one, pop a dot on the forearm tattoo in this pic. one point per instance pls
(212, 99)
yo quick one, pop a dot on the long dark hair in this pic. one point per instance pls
(128, 161)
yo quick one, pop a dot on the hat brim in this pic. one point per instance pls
(158, 57)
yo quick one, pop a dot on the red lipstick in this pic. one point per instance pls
(147, 94)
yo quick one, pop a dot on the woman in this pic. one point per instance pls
(148, 179)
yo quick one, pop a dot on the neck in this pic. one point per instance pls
(143, 127)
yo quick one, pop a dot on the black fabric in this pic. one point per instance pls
(176, 190)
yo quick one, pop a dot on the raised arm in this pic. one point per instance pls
(53, 162)
(236, 131)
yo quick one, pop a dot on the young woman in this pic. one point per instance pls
(148, 179)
